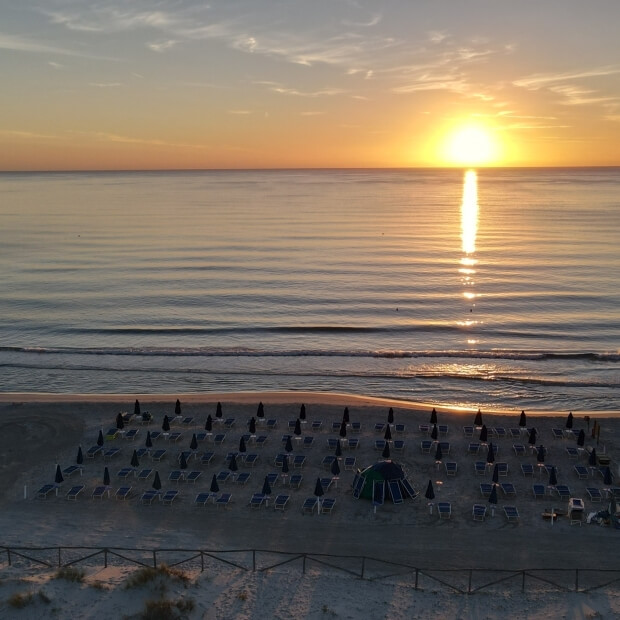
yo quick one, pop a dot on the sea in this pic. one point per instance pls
(492, 288)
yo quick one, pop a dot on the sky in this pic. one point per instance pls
(183, 84)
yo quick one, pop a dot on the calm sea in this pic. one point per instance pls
(500, 289)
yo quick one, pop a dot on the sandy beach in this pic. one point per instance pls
(41, 431)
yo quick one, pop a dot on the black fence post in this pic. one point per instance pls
(417, 571)
(8, 556)
(522, 581)
(253, 560)
(304, 564)
(59, 562)
(154, 558)
(576, 580)
(202, 562)
(363, 565)
(469, 584)
(105, 558)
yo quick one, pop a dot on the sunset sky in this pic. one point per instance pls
(152, 84)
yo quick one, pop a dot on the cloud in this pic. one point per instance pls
(162, 46)
(27, 135)
(115, 138)
(24, 44)
(105, 84)
(541, 80)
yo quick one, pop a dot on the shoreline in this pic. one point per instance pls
(277, 397)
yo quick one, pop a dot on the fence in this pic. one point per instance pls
(461, 580)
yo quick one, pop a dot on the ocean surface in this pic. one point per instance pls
(495, 288)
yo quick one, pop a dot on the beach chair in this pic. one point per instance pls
(93, 451)
(379, 427)
(176, 476)
(280, 502)
(425, 446)
(326, 483)
(353, 443)
(125, 472)
(100, 491)
(74, 491)
(187, 421)
(279, 459)
(573, 453)
(425, 429)
(332, 442)
(242, 478)
(144, 474)
(307, 441)
(111, 434)
(316, 425)
(398, 446)
(291, 425)
(335, 426)
(356, 427)
(45, 490)
(174, 437)
(207, 457)
(69, 471)
(202, 499)
(257, 500)
(539, 491)
(451, 468)
(223, 476)
(218, 439)
(224, 499)
(444, 509)
(140, 452)
(563, 491)
(295, 481)
(327, 505)
(502, 469)
(299, 461)
(201, 436)
(272, 478)
(400, 428)
(527, 469)
(230, 455)
(473, 447)
(131, 434)
(155, 435)
(192, 476)
(395, 492)
(357, 486)
(251, 459)
(260, 441)
(442, 429)
(509, 489)
(409, 490)
(122, 493)
(349, 463)
(512, 514)
(480, 468)
(479, 512)
(271, 424)
(500, 432)
(558, 433)
(328, 460)
(468, 431)
(485, 489)
(309, 505)
(445, 447)
(148, 496)
(229, 423)
(169, 496)
(110, 453)
(582, 472)
(515, 433)
(594, 494)
(158, 454)
(519, 449)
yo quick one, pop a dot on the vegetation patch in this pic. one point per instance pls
(70, 573)
(146, 575)
(167, 610)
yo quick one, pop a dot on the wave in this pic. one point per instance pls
(353, 353)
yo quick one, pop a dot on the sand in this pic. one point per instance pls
(39, 431)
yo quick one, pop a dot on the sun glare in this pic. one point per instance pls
(471, 146)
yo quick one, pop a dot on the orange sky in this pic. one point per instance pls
(261, 83)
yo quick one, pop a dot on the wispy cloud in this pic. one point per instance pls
(162, 46)
(27, 135)
(541, 80)
(24, 44)
(116, 138)
(105, 84)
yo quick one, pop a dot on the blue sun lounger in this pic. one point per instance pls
(192, 476)
(299, 461)
(272, 478)
(125, 472)
(444, 509)
(295, 481)
(100, 491)
(251, 459)
(563, 491)
(110, 453)
(309, 505)
(223, 499)
(317, 425)
(395, 492)
(158, 455)
(257, 500)
(573, 453)
(260, 441)
(451, 468)
(242, 478)
(45, 490)
(358, 485)
(280, 502)
(219, 439)
(582, 472)
(176, 476)
(480, 467)
(353, 443)
(527, 469)
(485, 489)
(509, 489)
(379, 427)
(93, 451)
(408, 488)
(473, 447)
(595, 494)
(349, 463)
(539, 490)
(168, 497)
(130, 435)
(328, 460)
(148, 496)
(223, 476)
(271, 424)
(74, 491)
(479, 512)
(512, 514)
(307, 441)
(327, 505)
(425, 446)
(202, 499)
(122, 493)
(144, 474)
(519, 449)
(69, 471)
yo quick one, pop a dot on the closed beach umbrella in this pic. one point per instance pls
(493, 495)
(433, 419)
(242, 446)
(297, 430)
(136, 408)
(581, 438)
(302, 412)
(266, 487)
(343, 429)
(592, 458)
(478, 418)
(522, 420)
(491, 454)
(214, 488)
(177, 407)
(194, 443)
(157, 481)
(100, 438)
(232, 464)
(391, 416)
(79, 459)
(338, 449)
(540, 455)
(495, 476)
(289, 445)
(285, 465)
(209, 424)
(218, 410)
(183, 461)
(335, 468)
(438, 452)
(345, 415)
(607, 477)
(430, 493)
(120, 423)
(386, 451)
(532, 438)
(134, 460)
(252, 426)
(388, 433)
(106, 477)
(318, 489)
(58, 478)
(569, 420)
(165, 426)
(553, 477)
(434, 433)
(260, 412)
(149, 442)
(484, 434)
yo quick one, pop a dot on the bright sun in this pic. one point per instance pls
(470, 146)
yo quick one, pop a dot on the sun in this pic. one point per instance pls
(471, 145)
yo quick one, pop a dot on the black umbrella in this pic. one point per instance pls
(592, 458)
(252, 426)
(391, 416)
(484, 434)
(569, 420)
(177, 407)
(343, 429)
(266, 487)
(491, 454)
(260, 412)
(345, 415)
(289, 445)
(214, 488)
(285, 465)
(297, 430)
(79, 459)
(183, 461)
(134, 460)
(338, 449)
(493, 495)
(136, 408)
(120, 423)
(302, 412)
(100, 438)
(434, 432)
(218, 410)
(540, 455)
(553, 477)
(386, 451)
(232, 464)
(209, 424)
(478, 418)
(335, 468)
(495, 476)
(157, 481)
(165, 424)
(388, 433)
(242, 446)
(433, 419)
(58, 479)
(581, 438)
(106, 477)
(607, 477)
(318, 488)
(430, 493)
(438, 452)
(532, 438)
(194, 443)
(149, 442)
(522, 420)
